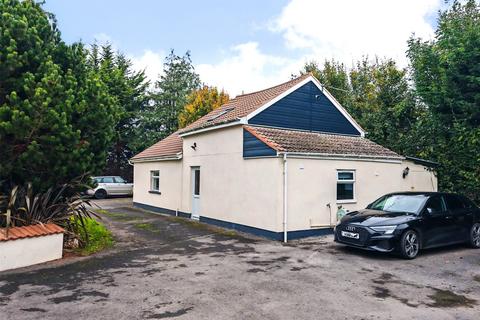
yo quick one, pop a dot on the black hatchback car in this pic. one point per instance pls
(409, 221)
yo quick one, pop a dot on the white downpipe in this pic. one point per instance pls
(285, 197)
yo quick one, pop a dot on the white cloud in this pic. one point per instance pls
(151, 62)
(247, 69)
(348, 29)
(103, 38)
(344, 30)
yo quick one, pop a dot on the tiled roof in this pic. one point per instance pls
(170, 146)
(236, 108)
(242, 105)
(283, 140)
(36, 230)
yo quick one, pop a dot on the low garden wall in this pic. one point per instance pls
(26, 246)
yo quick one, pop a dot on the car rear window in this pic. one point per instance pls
(467, 203)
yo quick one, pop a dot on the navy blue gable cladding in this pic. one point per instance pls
(307, 108)
(252, 147)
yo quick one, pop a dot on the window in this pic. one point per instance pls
(453, 202)
(400, 203)
(435, 205)
(155, 180)
(345, 186)
(119, 180)
(107, 180)
(467, 203)
(221, 113)
(196, 187)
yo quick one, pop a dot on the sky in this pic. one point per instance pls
(247, 45)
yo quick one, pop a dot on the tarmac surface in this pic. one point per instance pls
(165, 267)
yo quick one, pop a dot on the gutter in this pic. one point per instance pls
(226, 124)
(178, 156)
(285, 198)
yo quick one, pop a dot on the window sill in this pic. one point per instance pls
(154, 192)
(346, 201)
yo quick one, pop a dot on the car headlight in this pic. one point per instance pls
(384, 229)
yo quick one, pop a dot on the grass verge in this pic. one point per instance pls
(99, 237)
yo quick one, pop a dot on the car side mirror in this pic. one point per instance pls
(429, 211)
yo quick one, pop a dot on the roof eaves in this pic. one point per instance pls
(177, 156)
(338, 155)
(212, 126)
(427, 163)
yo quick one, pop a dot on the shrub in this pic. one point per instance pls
(62, 205)
(93, 235)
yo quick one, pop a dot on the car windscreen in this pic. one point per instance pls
(399, 203)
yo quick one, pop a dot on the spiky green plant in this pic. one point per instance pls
(62, 205)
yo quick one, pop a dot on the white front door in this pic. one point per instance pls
(196, 193)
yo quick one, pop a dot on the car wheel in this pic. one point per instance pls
(475, 235)
(409, 244)
(100, 194)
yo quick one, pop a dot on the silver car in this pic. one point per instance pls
(110, 186)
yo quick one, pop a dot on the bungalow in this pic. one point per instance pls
(278, 163)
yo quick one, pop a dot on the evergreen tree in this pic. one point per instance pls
(129, 90)
(54, 113)
(172, 89)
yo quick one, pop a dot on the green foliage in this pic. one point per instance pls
(129, 88)
(438, 118)
(55, 114)
(61, 205)
(199, 103)
(376, 94)
(93, 236)
(446, 72)
(171, 91)
(334, 76)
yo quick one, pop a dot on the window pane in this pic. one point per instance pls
(119, 180)
(108, 180)
(155, 180)
(197, 183)
(345, 175)
(399, 203)
(453, 203)
(345, 191)
(467, 203)
(155, 184)
(435, 205)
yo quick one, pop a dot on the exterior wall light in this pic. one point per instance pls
(405, 172)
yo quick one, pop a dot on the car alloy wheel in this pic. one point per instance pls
(475, 235)
(100, 194)
(410, 244)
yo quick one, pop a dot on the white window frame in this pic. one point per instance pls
(154, 174)
(350, 181)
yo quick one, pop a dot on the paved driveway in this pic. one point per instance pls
(163, 267)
